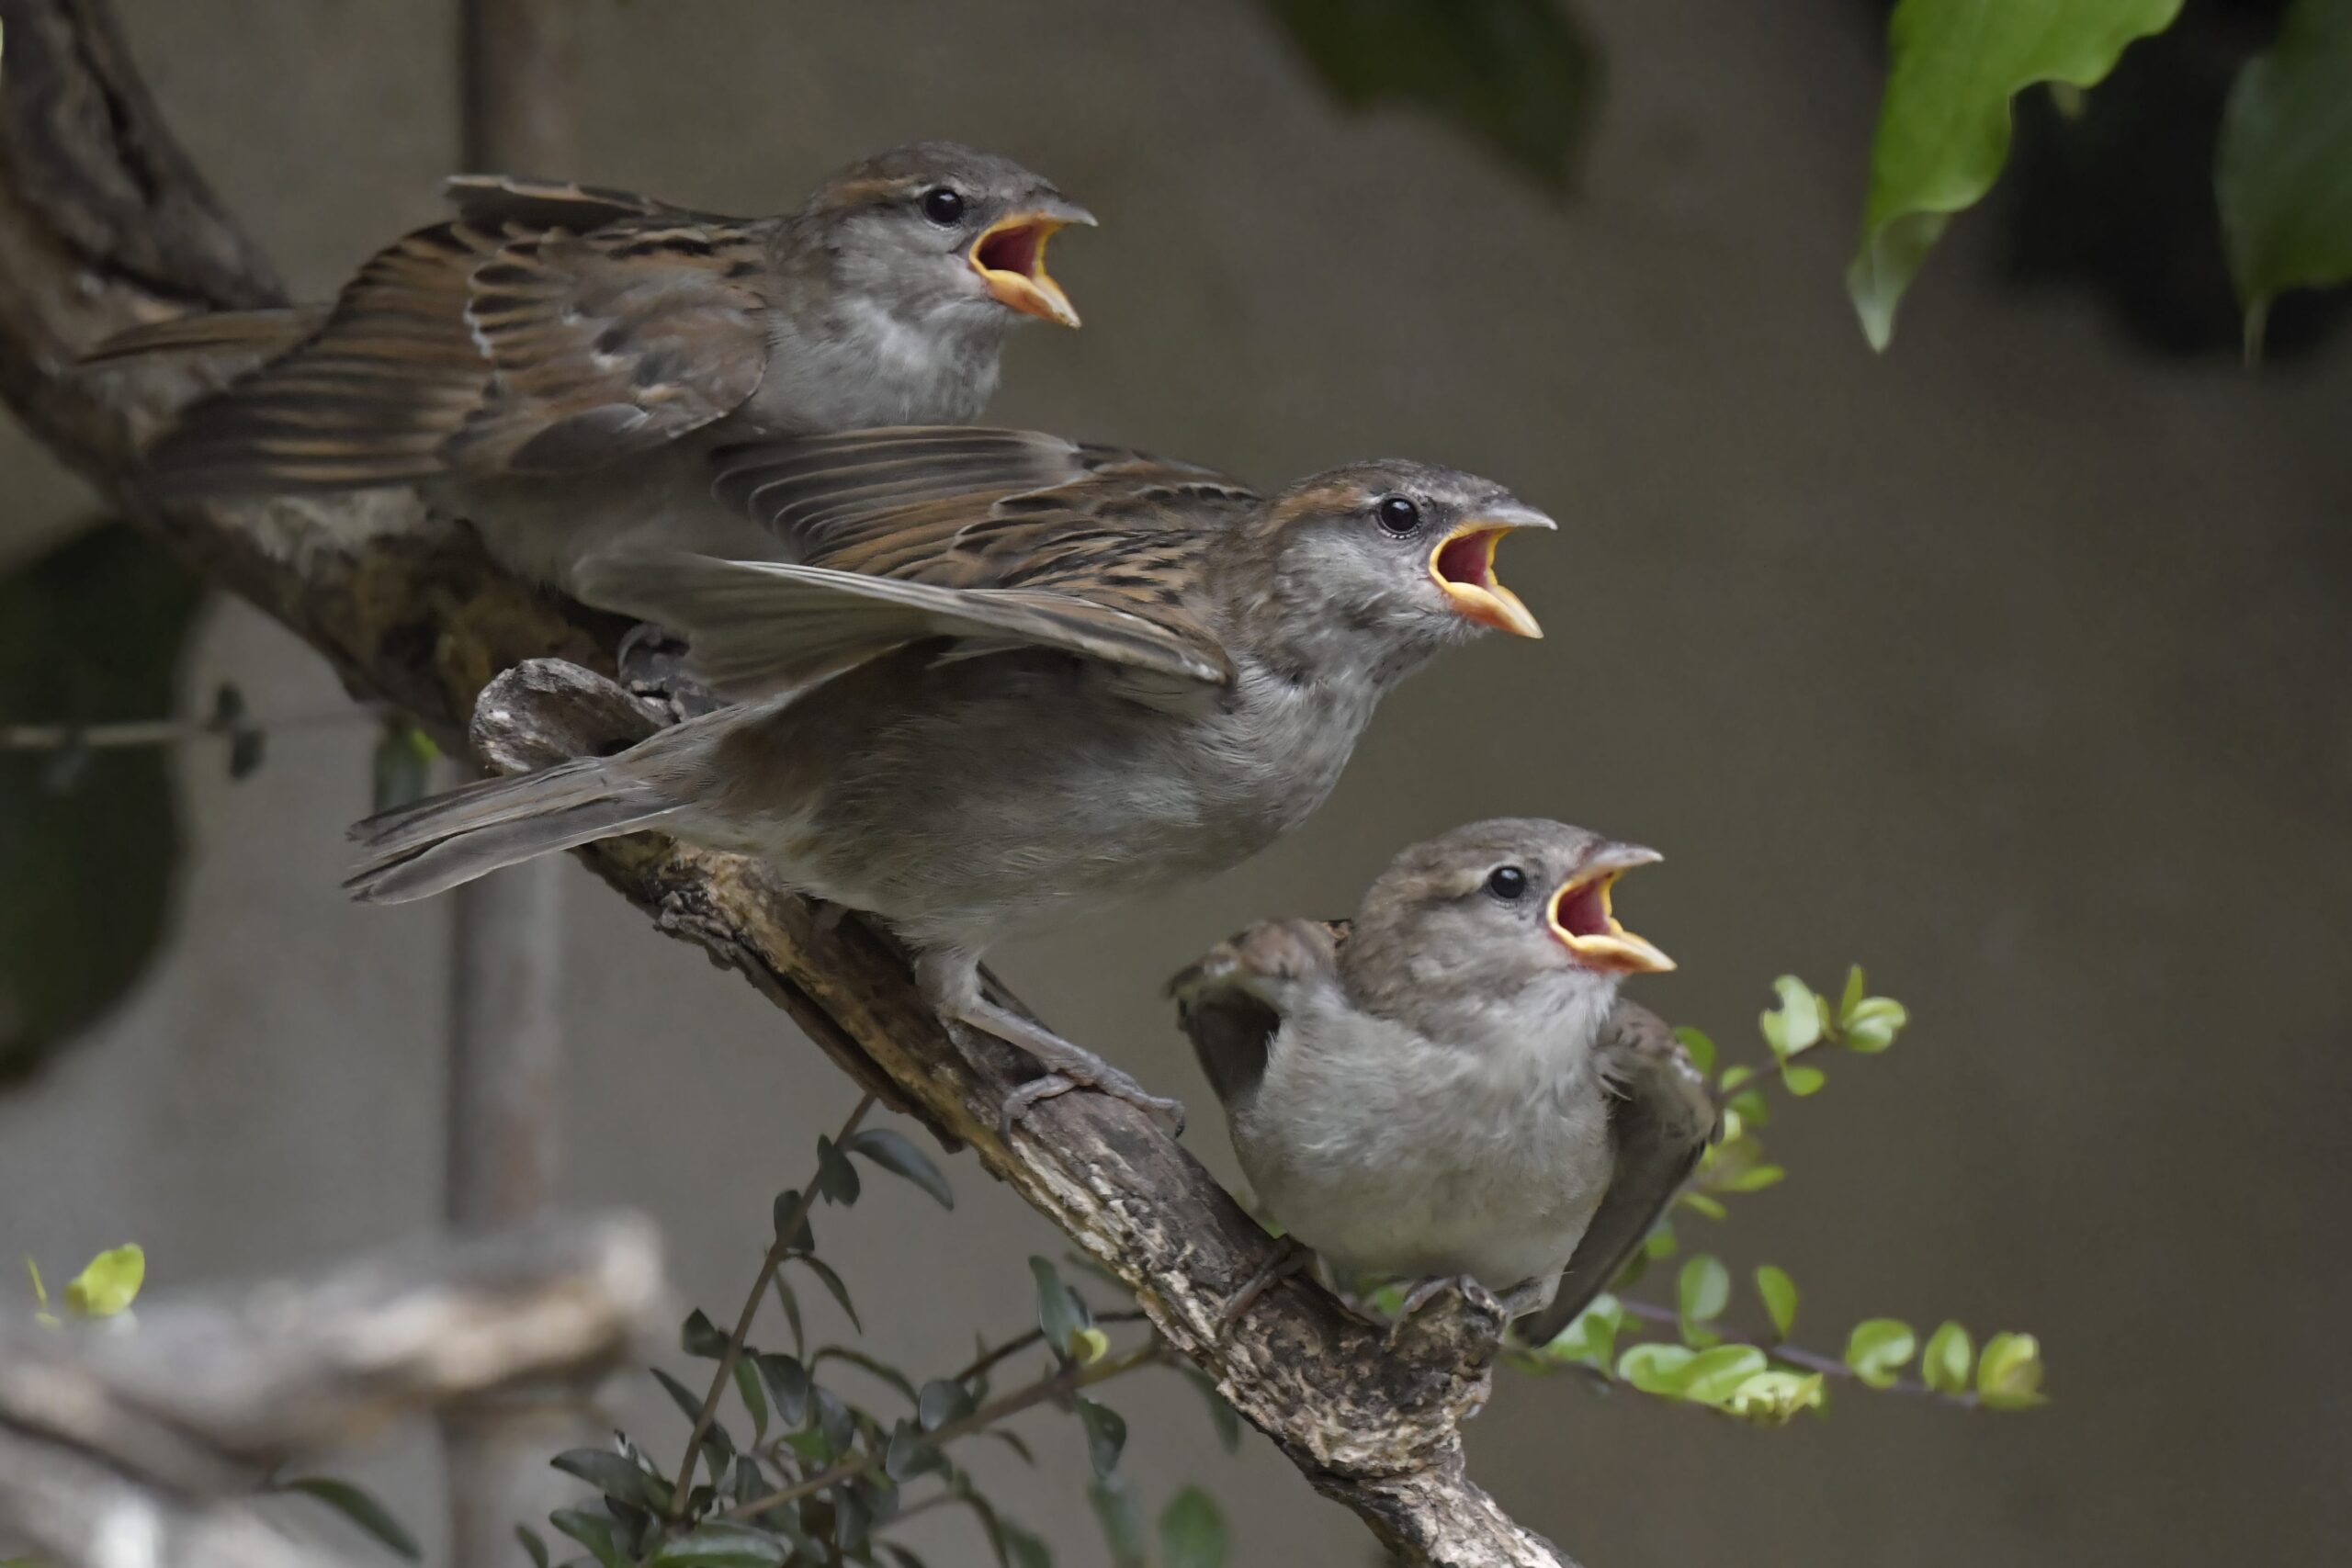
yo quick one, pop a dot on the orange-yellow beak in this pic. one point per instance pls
(1463, 565)
(1010, 256)
(1580, 917)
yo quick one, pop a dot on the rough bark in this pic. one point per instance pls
(147, 1447)
(101, 223)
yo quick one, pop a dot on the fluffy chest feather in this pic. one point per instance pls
(856, 364)
(1394, 1155)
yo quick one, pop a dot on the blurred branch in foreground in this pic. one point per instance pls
(146, 1445)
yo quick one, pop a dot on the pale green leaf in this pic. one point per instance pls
(1192, 1532)
(1653, 1368)
(1943, 1365)
(1801, 1080)
(1795, 1024)
(1773, 1398)
(1856, 987)
(1712, 1376)
(1700, 1048)
(2284, 168)
(1943, 124)
(109, 1285)
(2008, 1376)
(1779, 1293)
(1874, 1024)
(1703, 1290)
(1878, 1348)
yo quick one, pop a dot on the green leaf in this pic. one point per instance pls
(717, 1543)
(1732, 1078)
(1874, 1024)
(1700, 1048)
(902, 1557)
(833, 1283)
(836, 1177)
(1655, 1368)
(594, 1532)
(1192, 1532)
(939, 1401)
(1703, 1290)
(615, 1475)
(1106, 1434)
(1517, 76)
(747, 1389)
(879, 1368)
(247, 745)
(109, 1284)
(1795, 1024)
(791, 1306)
(1059, 1315)
(1114, 1505)
(1222, 1416)
(90, 633)
(1089, 1345)
(1756, 1177)
(787, 1385)
(1779, 1293)
(803, 1238)
(359, 1509)
(1698, 1202)
(1943, 124)
(402, 768)
(2008, 1376)
(1878, 1348)
(1713, 1376)
(700, 1336)
(1943, 1366)
(909, 1454)
(2284, 168)
(1026, 1551)
(1801, 1080)
(896, 1154)
(1856, 985)
(532, 1545)
(1773, 1398)
(1591, 1337)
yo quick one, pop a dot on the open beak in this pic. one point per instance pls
(1579, 915)
(1464, 566)
(1010, 256)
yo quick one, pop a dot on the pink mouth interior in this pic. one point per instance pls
(1465, 561)
(1581, 914)
(1012, 250)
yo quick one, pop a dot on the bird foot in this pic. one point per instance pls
(1473, 1295)
(1067, 1067)
(1290, 1256)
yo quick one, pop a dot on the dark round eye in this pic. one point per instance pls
(943, 206)
(1507, 882)
(1399, 515)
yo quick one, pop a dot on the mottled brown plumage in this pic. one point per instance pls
(1008, 679)
(555, 361)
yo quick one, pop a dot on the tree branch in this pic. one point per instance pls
(163, 1434)
(103, 224)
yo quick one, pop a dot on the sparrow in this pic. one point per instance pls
(557, 361)
(1005, 679)
(1449, 1088)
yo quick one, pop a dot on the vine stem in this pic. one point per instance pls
(779, 1251)
(1036, 1336)
(1065, 1380)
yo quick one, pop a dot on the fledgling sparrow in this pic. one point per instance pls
(1014, 679)
(557, 361)
(1449, 1088)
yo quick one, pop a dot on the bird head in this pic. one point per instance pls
(934, 227)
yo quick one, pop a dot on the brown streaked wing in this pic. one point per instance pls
(1661, 1119)
(611, 342)
(369, 398)
(492, 201)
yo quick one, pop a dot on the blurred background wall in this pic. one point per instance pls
(2013, 664)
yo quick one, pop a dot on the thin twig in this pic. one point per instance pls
(1036, 1336)
(1065, 1380)
(780, 1249)
(166, 731)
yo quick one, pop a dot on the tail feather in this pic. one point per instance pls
(437, 844)
(261, 333)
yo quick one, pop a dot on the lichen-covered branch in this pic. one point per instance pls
(103, 224)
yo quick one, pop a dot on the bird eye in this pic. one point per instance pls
(943, 205)
(1399, 515)
(1507, 882)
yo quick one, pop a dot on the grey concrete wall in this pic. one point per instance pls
(2012, 665)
